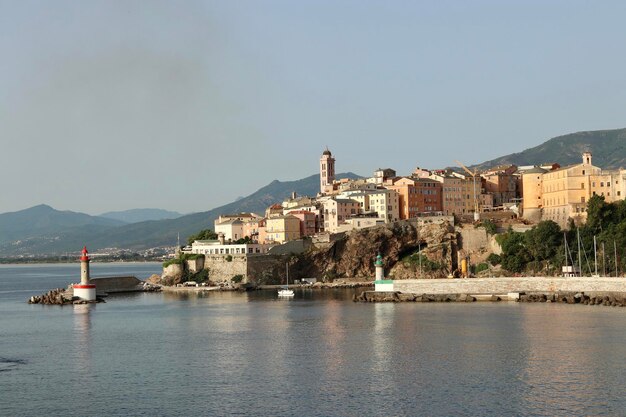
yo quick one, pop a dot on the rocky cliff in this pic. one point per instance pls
(353, 255)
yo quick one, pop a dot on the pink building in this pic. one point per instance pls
(308, 221)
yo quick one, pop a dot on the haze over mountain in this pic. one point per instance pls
(141, 215)
(107, 233)
(607, 146)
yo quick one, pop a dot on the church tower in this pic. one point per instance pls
(327, 170)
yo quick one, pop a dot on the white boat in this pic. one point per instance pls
(286, 292)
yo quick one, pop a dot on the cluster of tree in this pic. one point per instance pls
(543, 248)
(206, 234)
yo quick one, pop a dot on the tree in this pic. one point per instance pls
(515, 255)
(206, 234)
(599, 214)
(543, 240)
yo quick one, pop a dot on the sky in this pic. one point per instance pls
(187, 105)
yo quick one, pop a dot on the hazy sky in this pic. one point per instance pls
(186, 105)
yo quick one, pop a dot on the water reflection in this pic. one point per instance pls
(82, 337)
(565, 362)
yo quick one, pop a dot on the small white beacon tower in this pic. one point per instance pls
(85, 290)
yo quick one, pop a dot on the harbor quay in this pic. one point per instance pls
(505, 285)
(571, 290)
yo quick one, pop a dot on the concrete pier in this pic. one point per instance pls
(506, 285)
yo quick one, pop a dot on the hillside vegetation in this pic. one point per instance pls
(542, 249)
(608, 148)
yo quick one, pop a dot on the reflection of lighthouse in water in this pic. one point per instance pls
(82, 334)
(85, 290)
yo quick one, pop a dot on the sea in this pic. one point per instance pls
(318, 354)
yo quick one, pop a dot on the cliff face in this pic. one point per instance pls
(353, 256)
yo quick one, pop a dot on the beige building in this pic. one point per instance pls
(532, 193)
(566, 191)
(231, 228)
(282, 229)
(337, 211)
(359, 222)
(501, 183)
(386, 203)
(459, 193)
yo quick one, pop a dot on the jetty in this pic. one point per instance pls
(571, 290)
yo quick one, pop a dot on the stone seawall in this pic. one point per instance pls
(221, 269)
(509, 285)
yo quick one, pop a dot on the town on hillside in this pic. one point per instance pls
(526, 194)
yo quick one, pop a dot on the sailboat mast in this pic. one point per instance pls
(595, 254)
(565, 248)
(580, 259)
(603, 261)
(615, 249)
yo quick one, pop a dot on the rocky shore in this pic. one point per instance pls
(605, 299)
(60, 296)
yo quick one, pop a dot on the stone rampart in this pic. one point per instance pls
(269, 268)
(473, 238)
(222, 268)
(509, 285)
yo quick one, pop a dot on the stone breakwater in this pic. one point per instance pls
(59, 296)
(602, 298)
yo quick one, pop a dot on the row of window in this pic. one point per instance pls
(229, 251)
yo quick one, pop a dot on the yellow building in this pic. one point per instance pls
(532, 192)
(565, 192)
(282, 229)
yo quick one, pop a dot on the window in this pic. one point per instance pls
(583, 172)
(582, 185)
(602, 184)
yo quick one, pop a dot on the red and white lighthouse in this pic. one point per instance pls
(85, 290)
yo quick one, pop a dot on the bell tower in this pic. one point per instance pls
(327, 170)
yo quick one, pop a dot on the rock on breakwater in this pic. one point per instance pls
(600, 298)
(397, 296)
(59, 296)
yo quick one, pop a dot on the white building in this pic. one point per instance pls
(386, 203)
(214, 247)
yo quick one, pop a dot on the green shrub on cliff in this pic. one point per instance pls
(489, 226)
(417, 259)
(174, 261)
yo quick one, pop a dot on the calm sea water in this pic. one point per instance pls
(316, 355)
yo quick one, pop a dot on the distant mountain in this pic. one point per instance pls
(43, 220)
(107, 233)
(141, 215)
(607, 146)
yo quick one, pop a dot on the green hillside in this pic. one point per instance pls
(607, 146)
